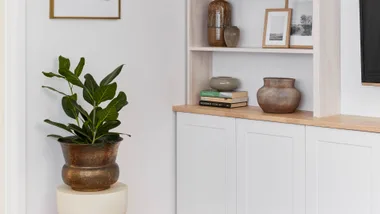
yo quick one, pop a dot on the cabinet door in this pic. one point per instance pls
(270, 168)
(343, 172)
(206, 164)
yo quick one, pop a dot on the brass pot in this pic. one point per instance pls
(90, 168)
(278, 95)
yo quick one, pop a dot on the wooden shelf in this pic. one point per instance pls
(347, 122)
(253, 50)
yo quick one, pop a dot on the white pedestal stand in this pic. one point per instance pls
(111, 201)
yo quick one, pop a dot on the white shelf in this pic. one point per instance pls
(253, 50)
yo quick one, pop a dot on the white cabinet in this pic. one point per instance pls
(206, 164)
(270, 168)
(236, 166)
(342, 172)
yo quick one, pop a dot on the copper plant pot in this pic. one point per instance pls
(278, 95)
(90, 168)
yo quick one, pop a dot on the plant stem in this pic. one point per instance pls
(93, 123)
(72, 93)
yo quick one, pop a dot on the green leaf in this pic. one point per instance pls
(106, 115)
(51, 74)
(108, 125)
(119, 102)
(54, 136)
(110, 77)
(71, 77)
(77, 130)
(64, 63)
(80, 110)
(71, 139)
(90, 86)
(53, 89)
(78, 70)
(59, 125)
(104, 93)
(68, 106)
(108, 137)
(87, 128)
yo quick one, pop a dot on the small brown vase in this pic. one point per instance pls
(278, 95)
(231, 36)
(219, 17)
(90, 168)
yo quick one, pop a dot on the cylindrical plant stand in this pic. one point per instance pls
(111, 201)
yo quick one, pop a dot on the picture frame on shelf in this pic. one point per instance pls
(277, 28)
(85, 9)
(301, 35)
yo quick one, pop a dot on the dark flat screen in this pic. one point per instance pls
(370, 40)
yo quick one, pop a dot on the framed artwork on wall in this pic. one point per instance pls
(277, 28)
(85, 9)
(301, 35)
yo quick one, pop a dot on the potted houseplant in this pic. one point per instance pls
(90, 149)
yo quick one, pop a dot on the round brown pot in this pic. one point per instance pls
(278, 95)
(90, 168)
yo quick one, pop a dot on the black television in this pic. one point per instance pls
(370, 40)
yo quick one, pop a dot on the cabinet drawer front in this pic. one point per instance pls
(206, 165)
(343, 172)
(271, 168)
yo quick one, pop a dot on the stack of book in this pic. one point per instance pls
(224, 99)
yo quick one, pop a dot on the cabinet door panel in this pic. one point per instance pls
(271, 168)
(206, 158)
(342, 172)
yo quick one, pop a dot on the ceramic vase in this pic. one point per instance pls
(224, 84)
(278, 95)
(219, 17)
(231, 36)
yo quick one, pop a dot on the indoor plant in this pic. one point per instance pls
(91, 148)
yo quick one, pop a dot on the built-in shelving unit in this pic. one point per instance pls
(253, 50)
(317, 70)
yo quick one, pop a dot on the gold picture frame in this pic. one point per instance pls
(285, 36)
(53, 16)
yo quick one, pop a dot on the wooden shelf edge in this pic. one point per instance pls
(253, 50)
(347, 122)
(371, 84)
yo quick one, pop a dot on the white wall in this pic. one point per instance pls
(2, 144)
(356, 99)
(150, 40)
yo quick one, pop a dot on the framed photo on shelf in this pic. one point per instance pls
(277, 28)
(301, 35)
(85, 9)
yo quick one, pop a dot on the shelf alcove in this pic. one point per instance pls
(317, 70)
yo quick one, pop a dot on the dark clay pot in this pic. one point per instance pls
(90, 168)
(278, 95)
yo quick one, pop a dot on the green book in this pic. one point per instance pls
(235, 94)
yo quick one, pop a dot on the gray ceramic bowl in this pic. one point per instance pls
(224, 83)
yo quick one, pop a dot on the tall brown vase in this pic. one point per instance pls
(219, 17)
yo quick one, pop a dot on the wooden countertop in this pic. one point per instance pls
(357, 123)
